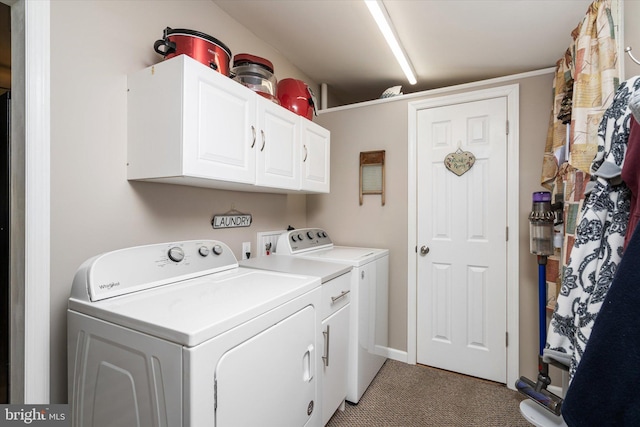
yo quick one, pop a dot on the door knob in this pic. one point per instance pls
(424, 250)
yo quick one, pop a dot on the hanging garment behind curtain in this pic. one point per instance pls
(611, 361)
(600, 234)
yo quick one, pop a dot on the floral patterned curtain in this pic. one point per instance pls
(586, 80)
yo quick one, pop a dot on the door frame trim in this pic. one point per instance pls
(511, 92)
(30, 199)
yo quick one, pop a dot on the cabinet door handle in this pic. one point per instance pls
(253, 130)
(263, 139)
(342, 295)
(325, 358)
(306, 153)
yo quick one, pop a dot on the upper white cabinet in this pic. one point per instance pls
(278, 158)
(315, 146)
(190, 125)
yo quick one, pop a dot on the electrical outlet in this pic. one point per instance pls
(267, 241)
(246, 250)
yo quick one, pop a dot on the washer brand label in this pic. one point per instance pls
(108, 286)
(37, 415)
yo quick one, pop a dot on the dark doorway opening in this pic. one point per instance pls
(5, 112)
(5, 159)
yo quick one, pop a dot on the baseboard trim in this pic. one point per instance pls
(392, 353)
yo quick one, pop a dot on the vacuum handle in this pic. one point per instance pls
(169, 47)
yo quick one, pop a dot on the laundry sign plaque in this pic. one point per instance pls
(459, 162)
(231, 220)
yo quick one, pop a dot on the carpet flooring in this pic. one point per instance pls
(403, 395)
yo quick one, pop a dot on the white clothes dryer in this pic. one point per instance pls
(177, 334)
(368, 341)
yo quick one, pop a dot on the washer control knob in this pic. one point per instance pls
(293, 238)
(176, 254)
(204, 251)
(300, 237)
(217, 249)
(310, 234)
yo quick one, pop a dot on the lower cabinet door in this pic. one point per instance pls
(335, 329)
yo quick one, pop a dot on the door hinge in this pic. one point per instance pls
(507, 234)
(507, 127)
(215, 394)
(506, 339)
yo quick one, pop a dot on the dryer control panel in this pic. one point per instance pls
(302, 240)
(142, 267)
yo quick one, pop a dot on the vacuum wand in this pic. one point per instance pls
(542, 301)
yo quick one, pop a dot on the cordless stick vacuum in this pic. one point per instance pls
(541, 221)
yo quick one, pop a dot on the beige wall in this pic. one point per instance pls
(384, 126)
(94, 44)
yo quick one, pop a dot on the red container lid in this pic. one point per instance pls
(245, 58)
(183, 32)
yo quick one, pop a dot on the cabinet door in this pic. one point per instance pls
(277, 147)
(219, 126)
(315, 147)
(334, 362)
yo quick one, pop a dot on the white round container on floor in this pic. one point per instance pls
(538, 416)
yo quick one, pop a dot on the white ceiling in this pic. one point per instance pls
(448, 41)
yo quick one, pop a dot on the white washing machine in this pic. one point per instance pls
(177, 334)
(368, 341)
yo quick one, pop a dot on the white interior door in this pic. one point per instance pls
(461, 235)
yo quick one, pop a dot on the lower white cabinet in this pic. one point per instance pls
(335, 312)
(190, 125)
(335, 330)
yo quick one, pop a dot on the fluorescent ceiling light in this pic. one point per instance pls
(379, 13)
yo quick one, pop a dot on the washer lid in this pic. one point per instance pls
(290, 264)
(195, 310)
(345, 254)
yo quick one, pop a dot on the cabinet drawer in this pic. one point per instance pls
(336, 294)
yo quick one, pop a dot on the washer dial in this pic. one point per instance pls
(176, 254)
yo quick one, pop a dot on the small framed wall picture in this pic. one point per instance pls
(372, 174)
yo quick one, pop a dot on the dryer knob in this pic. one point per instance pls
(310, 234)
(300, 237)
(204, 251)
(176, 254)
(217, 249)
